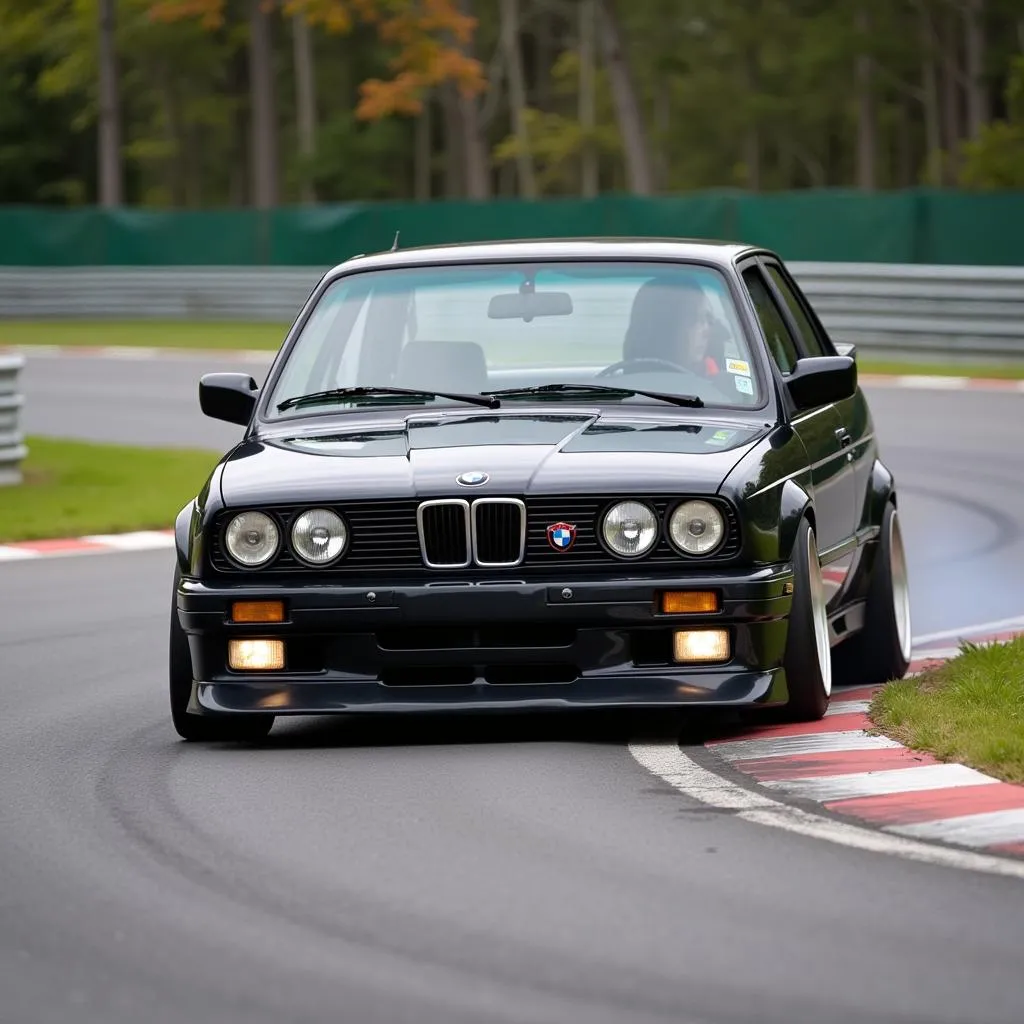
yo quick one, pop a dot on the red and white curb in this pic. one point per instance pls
(263, 357)
(95, 544)
(878, 794)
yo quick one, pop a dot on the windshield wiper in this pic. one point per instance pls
(368, 391)
(692, 401)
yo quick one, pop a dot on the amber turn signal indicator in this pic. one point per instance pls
(257, 611)
(675, 602)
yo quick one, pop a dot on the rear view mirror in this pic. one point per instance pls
(527, 305)
(820, 380)
(228, 396)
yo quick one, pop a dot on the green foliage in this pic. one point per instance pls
(556, 139)
(731, 95)
(351, 154)
(995, 160)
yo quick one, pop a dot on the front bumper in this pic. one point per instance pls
(472, 645)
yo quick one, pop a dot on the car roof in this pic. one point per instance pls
(720, 253)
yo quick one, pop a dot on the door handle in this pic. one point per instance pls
(844, 438)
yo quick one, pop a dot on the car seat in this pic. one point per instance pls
(442, 365)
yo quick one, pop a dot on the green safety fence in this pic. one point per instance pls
(915, 226)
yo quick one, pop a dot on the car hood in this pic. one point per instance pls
(421, 455)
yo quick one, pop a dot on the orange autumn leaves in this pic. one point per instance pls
(429, 37)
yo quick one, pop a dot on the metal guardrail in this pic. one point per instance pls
(947, 310)
(12, 450)
(936, 310)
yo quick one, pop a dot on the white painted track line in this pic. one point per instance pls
(894, 780)
(969, 631)
(848, 707)
(814, 743)
(10, 554)
(670, 764)
(140, 540)
(971, 829)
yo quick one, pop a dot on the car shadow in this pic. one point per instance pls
(599, 727)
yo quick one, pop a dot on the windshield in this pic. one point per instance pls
(665, 327)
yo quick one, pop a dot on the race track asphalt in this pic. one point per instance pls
(449, 871)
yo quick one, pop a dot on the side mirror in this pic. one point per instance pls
(228, 396)
(846, 348)
(822, 379)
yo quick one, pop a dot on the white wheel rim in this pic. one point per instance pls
(900, 585)
(819, 612)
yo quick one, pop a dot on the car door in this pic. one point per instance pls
(820, 429)
(854, 414)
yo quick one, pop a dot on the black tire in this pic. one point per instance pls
(808, 664)
(202, 728)
(881, 651)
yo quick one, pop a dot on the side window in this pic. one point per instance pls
(812, 343)
(780, 342)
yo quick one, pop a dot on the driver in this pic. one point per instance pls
(674, 323)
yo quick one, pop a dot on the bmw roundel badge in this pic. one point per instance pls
(561, 536)
(472, 478)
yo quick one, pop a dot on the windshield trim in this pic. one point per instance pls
(725, 268)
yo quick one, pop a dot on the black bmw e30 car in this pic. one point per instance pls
(590, 473)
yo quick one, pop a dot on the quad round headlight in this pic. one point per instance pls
(252, 539)
(696, 528)
(319, 536)
(630, 529)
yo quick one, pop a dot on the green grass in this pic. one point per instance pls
(969, 709)
(1000, 371)
(221, 335)
(72, 488)
(145, 333)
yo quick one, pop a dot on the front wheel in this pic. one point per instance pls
(202, 728)
(808, 657)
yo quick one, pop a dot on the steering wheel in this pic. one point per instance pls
(663, 364)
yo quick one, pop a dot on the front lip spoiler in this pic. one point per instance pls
(734, 688)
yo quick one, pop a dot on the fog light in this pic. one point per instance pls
(701, 645)
(257, 611)
(255, 655)
(675, 602)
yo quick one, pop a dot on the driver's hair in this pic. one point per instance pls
(660, 307)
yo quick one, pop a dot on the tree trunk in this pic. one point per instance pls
(305, 100)
(904, 150)
(423, 152)
(951, 113)
(474, 149)
(930, 89)
(517, 96)
(477, 168)
(588, 100)
(455, 161)
(627, 108)
(261, 86)
(662, 115)
(752, 135)
(110, 168)
(866, 125)
(977, 88)
(544, 48)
